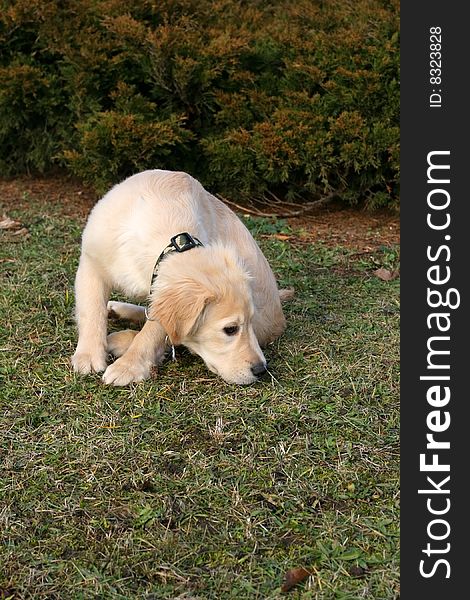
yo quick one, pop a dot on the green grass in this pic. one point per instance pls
(184, 486)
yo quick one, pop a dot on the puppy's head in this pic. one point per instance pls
(202, 298)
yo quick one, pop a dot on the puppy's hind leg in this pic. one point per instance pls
(286, 294)
(119, 341)
(127, 312)
(91, 295)
(146, 350)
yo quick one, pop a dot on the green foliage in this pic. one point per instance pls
(296, 98)
(130, 138)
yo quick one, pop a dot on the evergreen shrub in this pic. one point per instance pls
(251, 96)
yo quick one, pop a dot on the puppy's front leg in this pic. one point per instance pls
(146, 350)
(91, 295)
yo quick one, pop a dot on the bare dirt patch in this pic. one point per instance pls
(357, 229)
(332, 225)
(72, 196)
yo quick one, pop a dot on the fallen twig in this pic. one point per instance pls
(293, 213)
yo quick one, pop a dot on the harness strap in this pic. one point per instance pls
(179, 243)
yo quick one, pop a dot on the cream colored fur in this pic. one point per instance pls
(227, 283)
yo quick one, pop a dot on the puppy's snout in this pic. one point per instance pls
(259, 369)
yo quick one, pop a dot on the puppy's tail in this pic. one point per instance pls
(286, 295)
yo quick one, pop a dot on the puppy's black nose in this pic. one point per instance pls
(259, 369)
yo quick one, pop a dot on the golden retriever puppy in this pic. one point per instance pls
(211, 291)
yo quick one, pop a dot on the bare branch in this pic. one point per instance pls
(305, 208)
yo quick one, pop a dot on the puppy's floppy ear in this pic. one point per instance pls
(179, 308)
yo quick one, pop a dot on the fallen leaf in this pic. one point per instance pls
(13, 226)
(385, 274)
(7, 223)
(282, 236)
(22, 231)
(293, 577)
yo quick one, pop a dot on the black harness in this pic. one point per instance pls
(179, 243)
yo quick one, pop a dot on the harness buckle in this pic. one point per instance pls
(183, 241)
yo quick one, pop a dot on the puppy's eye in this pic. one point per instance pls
(231, 330)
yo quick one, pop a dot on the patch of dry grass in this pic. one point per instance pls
(184, 486)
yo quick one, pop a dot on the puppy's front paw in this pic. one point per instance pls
(89, 362)
(124, 371)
